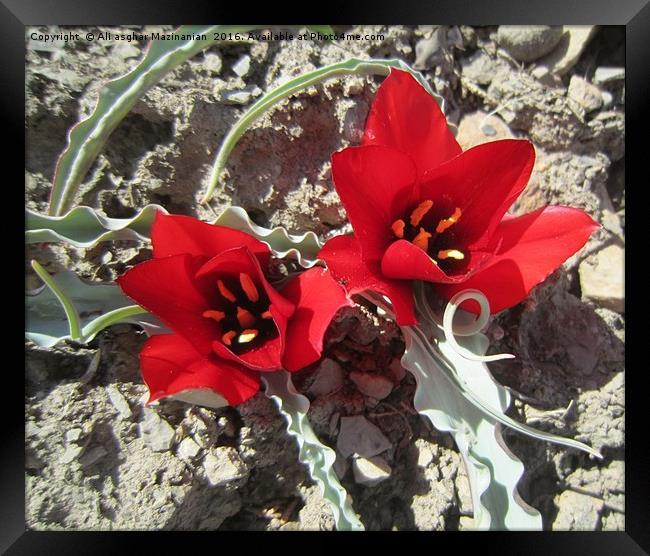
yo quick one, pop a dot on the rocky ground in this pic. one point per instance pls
(96, 458)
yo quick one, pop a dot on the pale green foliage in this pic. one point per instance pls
(456, 391)
(318, 457)
(67, 308)
(84, 227)
(353, 66)
(304, 248)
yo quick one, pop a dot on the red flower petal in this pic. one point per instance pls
(343, 257)
(527, 249)
(167, 288)
(268, 355)
(405, 261)
(483, 182)
(406, 117)
(317, 297)
(376, 186)
(171, 366)
(174, 234)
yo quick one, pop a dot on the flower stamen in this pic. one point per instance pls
(245, 318)
(267, 315)
(448, 222)
(422, 239)
(249, 288)
(216, 315)
(225, 292)
(420, 211)
(451, 254)
(398, 228)
(247, 335)
(228, 336)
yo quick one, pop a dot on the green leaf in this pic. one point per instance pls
(66, 307)
(84, 227)
(460, 396)
(493, 471)
(304, 248)
(353, 66)
(318, 457)
(116, 99)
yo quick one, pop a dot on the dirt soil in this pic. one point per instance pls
(98, 459)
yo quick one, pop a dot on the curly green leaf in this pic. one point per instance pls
(304, 248)
(84, 227)
(318, 457)
(353, 66)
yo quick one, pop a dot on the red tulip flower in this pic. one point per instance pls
(208, 284)
(422, 209)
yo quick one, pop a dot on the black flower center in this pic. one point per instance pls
(243, 313)
(431, 228)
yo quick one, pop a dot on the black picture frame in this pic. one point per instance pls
(15, 15)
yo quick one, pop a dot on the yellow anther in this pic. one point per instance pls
(448, 222)
(451, 254)
(245, 318)
(398, 228)
(228, 336)
(420, 211)
(267, 315)
(223, 290)
(216, 315)
(422, 239)
(247, 335)
(249, 287)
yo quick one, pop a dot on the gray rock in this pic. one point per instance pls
(73, 436)
(156, 432)
(242, 66)
(526, 43)
(223, 466)
(608, 99)
(545, 77)
(466, 523)
(125, 50)
(602, 278)
(429, 51)
(577, 512)
(71, 453)
(372, 384)
(358, 435)
(606, 74)
(329, 377)
(212, 63)
(585, 94)
(479, 127)
(93, 456)
(396, 370)
(425, 453)
(119, 401)
(340, 465)
(370, 471)
(463, 492)
(601, 415)
(188, 449)
(567, 53)
(316, 514)
(243, 96)
(479, 68)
